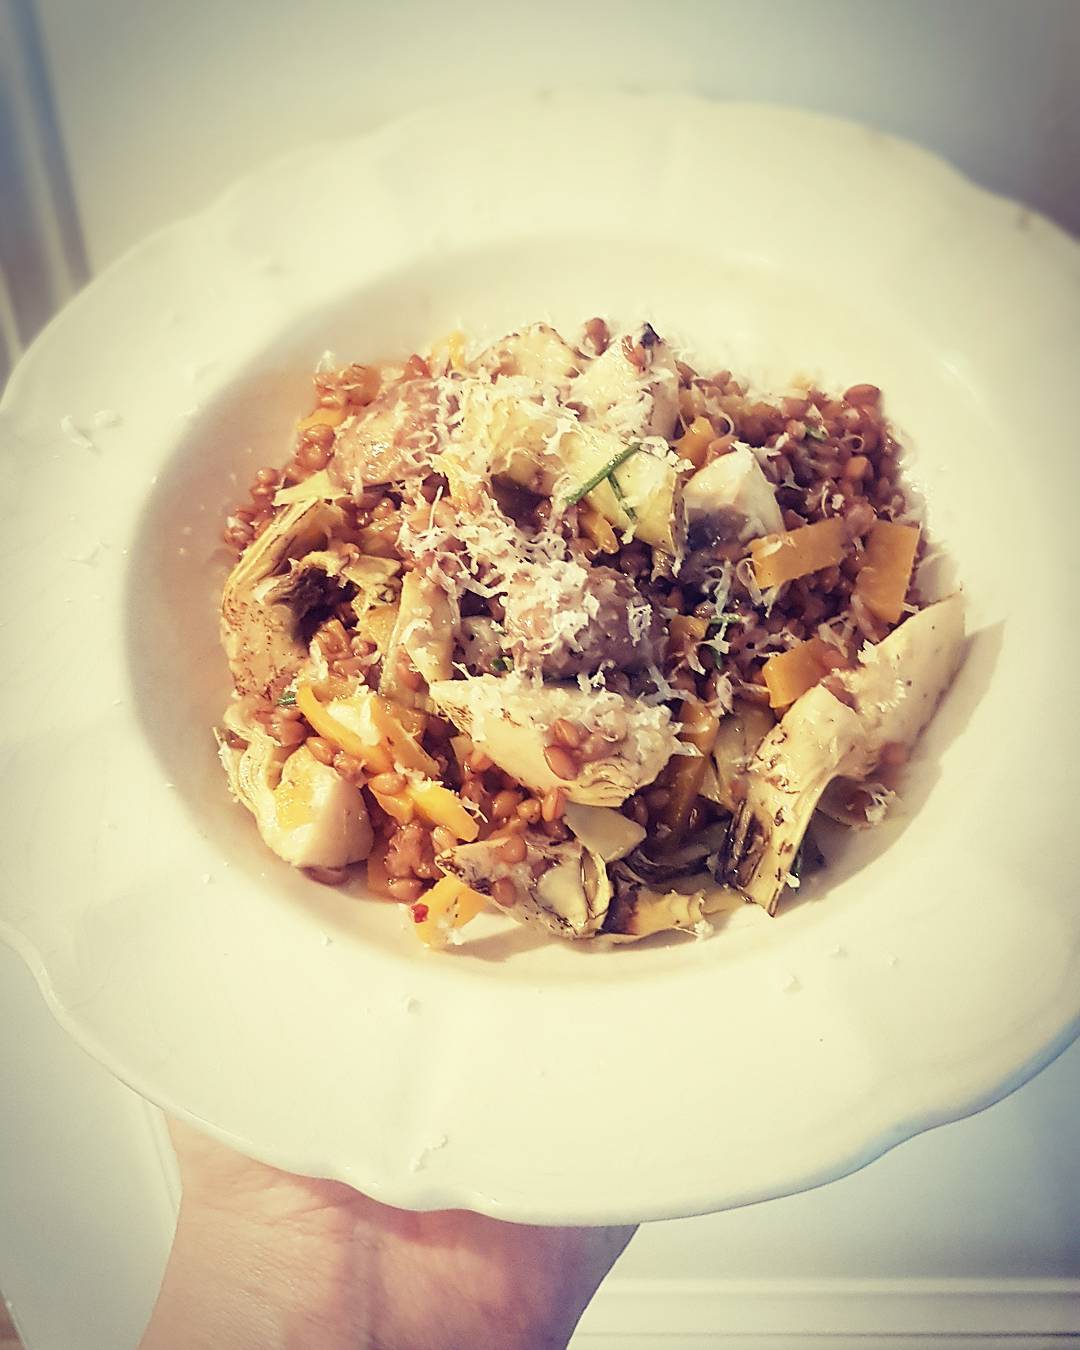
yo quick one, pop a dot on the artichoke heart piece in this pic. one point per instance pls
(566, 889)
(560, 887)
(606, 832)
(423, 636)
(632, 400)
(638, 911)
(892, 695)
(511, 720)
(737, 740)
(282, 576)
(305, 812)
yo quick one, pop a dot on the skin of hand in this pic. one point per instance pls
(264, 1260)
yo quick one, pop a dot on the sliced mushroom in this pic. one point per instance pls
(633, 394)
(305, 812)
(891, 696)
(561, 887)
(283, 575)
(512, 720)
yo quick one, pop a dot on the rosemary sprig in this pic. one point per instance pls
(287, 699)
(620, 497)
(605, 472)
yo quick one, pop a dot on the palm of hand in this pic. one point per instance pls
(429, 1276)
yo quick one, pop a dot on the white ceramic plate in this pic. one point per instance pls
(531, 1080)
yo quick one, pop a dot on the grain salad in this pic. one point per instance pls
(572, 631)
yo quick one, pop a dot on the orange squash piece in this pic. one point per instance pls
(797, 553)
(885, 575)
(788, 675)
(398, 806)
(449, 904)
(694, 441)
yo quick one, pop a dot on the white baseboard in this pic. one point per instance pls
(832, 1314)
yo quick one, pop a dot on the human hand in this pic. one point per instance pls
(264, 1259)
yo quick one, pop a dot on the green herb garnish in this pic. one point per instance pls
(816, 432)
(501, 663)
(620, 497)
(716, 633)
(288, 699)
(606, 472)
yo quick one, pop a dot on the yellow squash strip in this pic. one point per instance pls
(374, 758)
(797, 553)
(323, 417)
(694, 441)
(790, 674)
(455, 346)
(438, 805)
(699, 729)
(395, 748)
(449, 904)
(885, 575)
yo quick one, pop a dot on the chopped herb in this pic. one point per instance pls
(716, 633)
(815, 431)
(620, 497)
(501, 663)
(606, 472)
(288, 699)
